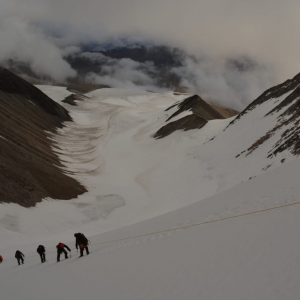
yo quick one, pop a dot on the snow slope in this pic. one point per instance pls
(249, 257)
(140, 189)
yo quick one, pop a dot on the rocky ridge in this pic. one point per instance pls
(286, 99)
(29, 168)
(201, 113)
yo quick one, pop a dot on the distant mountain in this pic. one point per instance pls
(29, 168)
(161, 56)
(162, 59)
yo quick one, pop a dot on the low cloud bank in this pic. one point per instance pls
(231, 74)
(26, 43)
(122, 73)
(231, 82)
(234, 83)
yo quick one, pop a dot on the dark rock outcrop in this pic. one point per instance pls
(274, 92)
(12, 84)
(286, 100)
(198, 106)
(74, 97)
(202, 112)
(185, 123)
(29, 168)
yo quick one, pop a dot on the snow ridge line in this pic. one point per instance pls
(199, 224)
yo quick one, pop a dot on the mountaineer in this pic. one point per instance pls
(81, 242)
(19, 256)
(41, 251)
(61, 249)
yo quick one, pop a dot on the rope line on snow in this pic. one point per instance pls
(189, 226)
(199, 224)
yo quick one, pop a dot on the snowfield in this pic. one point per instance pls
(189, 216)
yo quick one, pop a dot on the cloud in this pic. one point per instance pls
(213, 30)
(229, 82)
(121, 73)
(25, 43)
(261, 29)
(232, 83)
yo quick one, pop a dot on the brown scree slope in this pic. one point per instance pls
(29, 168)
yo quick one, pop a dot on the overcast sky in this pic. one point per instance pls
(265, 30)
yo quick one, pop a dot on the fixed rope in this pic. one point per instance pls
(199, 224)
(192, 225)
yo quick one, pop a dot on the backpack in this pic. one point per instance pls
(41, 249)
(61, 245)
(82, 239)
(18, 254)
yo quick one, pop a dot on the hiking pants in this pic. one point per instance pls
(82, 247)
(43, 257)
(20, 259)
(59, 252)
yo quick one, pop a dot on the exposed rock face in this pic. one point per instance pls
(198, 106)
(185, 123)
(71, 99)
(29, 168)
(201, 113)
(286, 100)
(274, 92)
(12, 84)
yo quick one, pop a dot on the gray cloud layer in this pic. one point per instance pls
(266, 31)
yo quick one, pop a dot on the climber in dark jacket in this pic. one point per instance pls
(41, 251)
(1, 259)
(61, 249)
(19, 256)
(81, 242)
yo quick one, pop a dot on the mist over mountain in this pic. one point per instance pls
(127, 63)
(210, 35)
